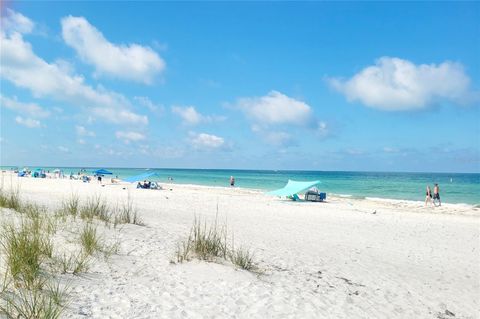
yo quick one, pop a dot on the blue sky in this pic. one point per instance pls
(320, 86)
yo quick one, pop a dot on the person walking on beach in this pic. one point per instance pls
(232, 181)
(428, 197)
(436, 194)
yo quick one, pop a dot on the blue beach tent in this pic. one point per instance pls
(141, 177)
(293, 187)
(102, 172)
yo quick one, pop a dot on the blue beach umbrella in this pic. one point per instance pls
(102, 172)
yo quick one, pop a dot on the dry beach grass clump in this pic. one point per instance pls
(211, 243)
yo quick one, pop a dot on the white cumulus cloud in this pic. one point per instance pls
(28, 122)
(272, 112)
(82, 131)
(204, 141)
(117, 116)
(190, 116)
(276, 108)
(322, 129)
(30, 109)
(145, 101)
(395, 84)
(130, 61)
(22, 67)
(16, 22)
(129, 136)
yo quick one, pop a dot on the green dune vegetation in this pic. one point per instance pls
(41, 249)
(211, 243)
(36, 261)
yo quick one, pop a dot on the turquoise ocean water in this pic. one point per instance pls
(454, 187)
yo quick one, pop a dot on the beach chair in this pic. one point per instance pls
(155, 185)
(314, 196)
(294, 197)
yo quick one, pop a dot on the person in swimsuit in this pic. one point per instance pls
(428, 197)
(436, 194)
(232, 181)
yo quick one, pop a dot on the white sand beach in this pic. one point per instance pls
(345, 258)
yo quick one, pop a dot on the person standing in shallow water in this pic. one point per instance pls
(436, 194)
(428, 197)
(232, 181)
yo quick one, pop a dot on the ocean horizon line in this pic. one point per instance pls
(237, 169)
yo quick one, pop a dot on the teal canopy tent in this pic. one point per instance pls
(293, 187)
(140, 177)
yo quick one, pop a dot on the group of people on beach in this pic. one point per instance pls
(148, 185)
(436, 195)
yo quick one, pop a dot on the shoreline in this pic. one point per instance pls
(376, 186)
(336, 197)
(417, 206)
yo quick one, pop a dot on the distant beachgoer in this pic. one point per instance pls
(436, 194)
(99, 179)
(428, 197)
(232, 181)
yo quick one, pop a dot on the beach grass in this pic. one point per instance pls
(205, 243)
(127, 214)
(243, 259)
(109, 250)
(70, 206)
(40, 218)
(74, 263)
(95, 207)
(10, 199)
(29, 289)
(58, 293)
(38, 215)
(210, 243)
(47, 302)
(89, 239)
(26, 248)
